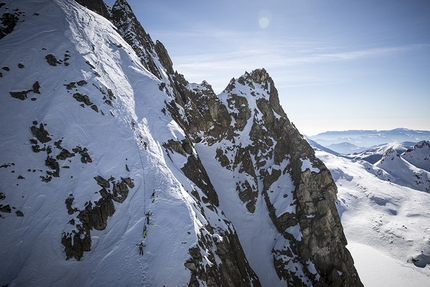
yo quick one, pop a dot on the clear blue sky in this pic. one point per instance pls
(337, 64)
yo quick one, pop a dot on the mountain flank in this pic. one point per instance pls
(108, 149)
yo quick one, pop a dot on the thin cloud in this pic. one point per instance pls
(275, 57)
(229, 46)
(228, 53)
(366, 53)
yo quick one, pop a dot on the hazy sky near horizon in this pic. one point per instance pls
(337, 64)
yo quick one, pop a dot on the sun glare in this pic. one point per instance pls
(264, 18)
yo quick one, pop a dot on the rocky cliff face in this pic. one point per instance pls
(249, 134)
(254, 205)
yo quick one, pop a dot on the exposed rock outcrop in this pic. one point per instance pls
(93, 216)
(9, 20)
(234, 271)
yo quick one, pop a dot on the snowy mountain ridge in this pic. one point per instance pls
(351, 141)
(105, 146)
(397, 163)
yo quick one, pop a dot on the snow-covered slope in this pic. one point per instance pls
(68, 53)
(386, 222)
(401, 164)
(90, 59)
(104, 147)
(419, 155)
(373, 155)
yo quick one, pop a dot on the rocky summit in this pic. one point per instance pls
(116, 171)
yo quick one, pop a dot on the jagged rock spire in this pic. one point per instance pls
(133, 32)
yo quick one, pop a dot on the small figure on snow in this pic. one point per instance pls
(142, 142)
(153, 196)
(147, 218)
(141, 246)
(145, 231)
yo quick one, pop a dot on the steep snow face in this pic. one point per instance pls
(83, 160)
(385, 222)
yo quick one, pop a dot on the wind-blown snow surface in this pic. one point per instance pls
(87, 48)
(386, 224)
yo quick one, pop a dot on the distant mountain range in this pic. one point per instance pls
(354, 141)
